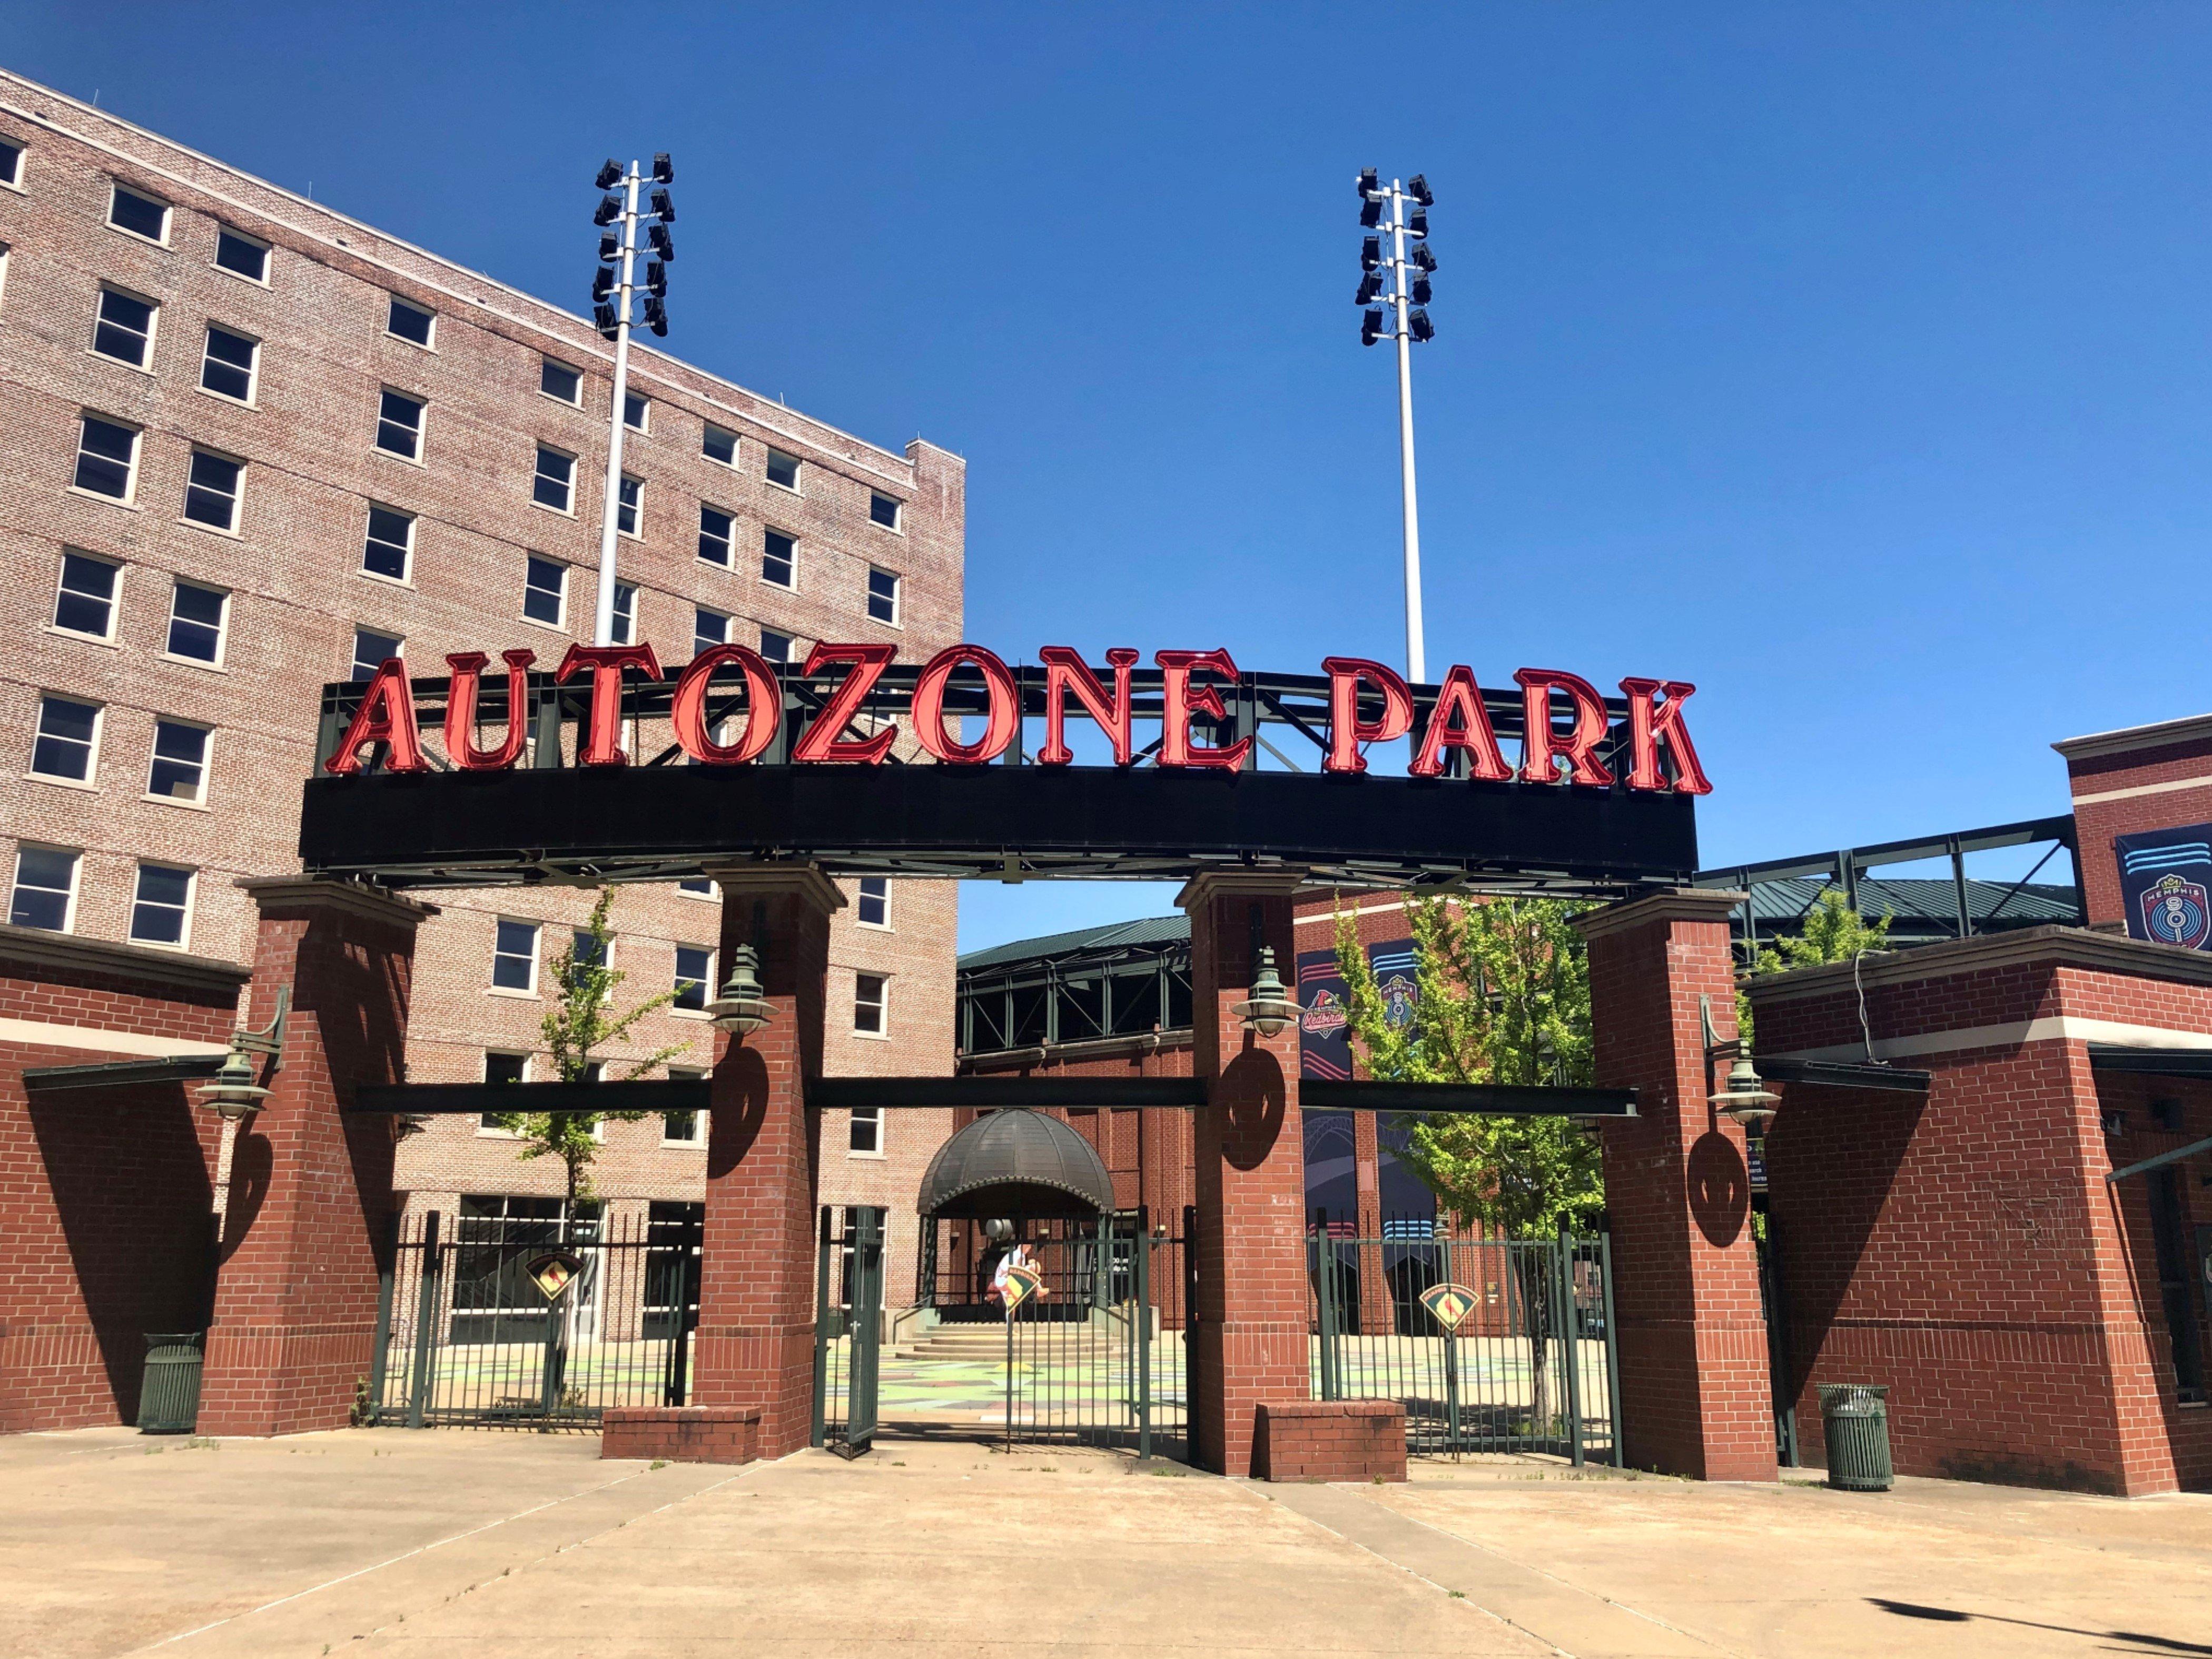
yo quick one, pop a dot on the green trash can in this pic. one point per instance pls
(1855, 1417)
(169, 1395)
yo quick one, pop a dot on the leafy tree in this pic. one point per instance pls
(580, 1023)
(1833, 931)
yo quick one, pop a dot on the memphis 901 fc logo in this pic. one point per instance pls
(2165, 876)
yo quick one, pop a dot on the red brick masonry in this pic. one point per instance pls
(684, 1434)
(1329, 1440)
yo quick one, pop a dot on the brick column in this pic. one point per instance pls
(308, 1216)
(755, 1345)
(1696, 1397)
(1250, 1144)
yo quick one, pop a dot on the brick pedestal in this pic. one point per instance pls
(1330, 1440)
(1250, 1338)
(1695, 1394)
(307, 1214)
(754, 1344)
(680, 1434)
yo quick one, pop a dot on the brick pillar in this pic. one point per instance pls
(755, 1345)
(1696, 1397)
(307, 1218)
(1250, 1144)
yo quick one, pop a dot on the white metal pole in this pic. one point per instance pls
(603, 621)
(1416, 663)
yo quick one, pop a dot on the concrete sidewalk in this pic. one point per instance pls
(492, 1545)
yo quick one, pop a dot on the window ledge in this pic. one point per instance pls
(416, 345)
(387, 581)
(225, 398)
(261, 283)
(135, 368)
(876, 1157)
(82, 638)
(873, 1037)
(171, 800)
(111, 501)
(513, 994)
(394, 455)
(550, 628)
(557, 511)
(139, 236)
(201, 664)
(81, 787)
(199, 524)
(788, 489)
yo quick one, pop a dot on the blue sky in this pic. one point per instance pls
(1850, 362)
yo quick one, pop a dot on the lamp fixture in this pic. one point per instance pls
(1745, 1097)
(1269, 1007)
(741, 1007)
(236, 1093)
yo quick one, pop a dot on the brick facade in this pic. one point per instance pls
(1362, 1440)
(680, 1434)
(2150, 777)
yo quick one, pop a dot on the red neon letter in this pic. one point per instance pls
(764, 706)
(1180, 700)
(820, 740)
(1066, 671)
(929, 707)
(1648, 727)
(1460, 721)
(1346, 730)
(602, 733)
(461, 710)
(1539, 743)
(386, 715)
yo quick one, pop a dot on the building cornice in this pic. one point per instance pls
(1678, 904)
(2165, 734)
(806, 880)
(2052, 947)
(355, 897)
(1274, 881)
(98, 955)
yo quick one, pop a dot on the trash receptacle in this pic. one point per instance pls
(169, 1395)
(1855, 1417)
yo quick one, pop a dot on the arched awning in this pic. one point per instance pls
(1014, 1164)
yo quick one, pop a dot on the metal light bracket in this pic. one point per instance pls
(1745, 1097)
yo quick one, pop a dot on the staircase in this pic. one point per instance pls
(1067, 1344)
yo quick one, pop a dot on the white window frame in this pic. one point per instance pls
(790, 657)
(130, 495)
(643, 426)
(185, 923)
(252, 397)
(621, 635)
(560, 624)
(729, 537)
(406, 576)
(353, 662)
(221, 627)
(90, 781)
(537, 455)
(267, 255)
(707, 897)
(897, 525)
(526, 1057)
(493, 987)
(115, 597)
(635, 507)
(15, 182)
(770, 454)
(428, 343)
(153, 326)
(421, 425)
(697, 1140)
(897, 618)
(169, 214)
(237, 498)
(698, 634)
(207, 763)
(77, 881)
(882, 1033)
(737, 446)
(862, 896)
(677, 979)
(545, 360)
(790, 586)
(871, 1117)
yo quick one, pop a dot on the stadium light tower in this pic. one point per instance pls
(1399, 283)
(612, 286)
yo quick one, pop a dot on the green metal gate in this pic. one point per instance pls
(848, 1327)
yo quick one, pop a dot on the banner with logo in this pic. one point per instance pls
(1325, 1051)
(2166, 884)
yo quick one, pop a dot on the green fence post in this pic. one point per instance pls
(819, 1433)
(1611, 1347)
(429, 1284)
(1570, 1346)
(380, 1361)
(1144, 1334)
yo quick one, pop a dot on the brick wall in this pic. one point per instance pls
(680, 1434)
(2153, 777)
(1319, 1440)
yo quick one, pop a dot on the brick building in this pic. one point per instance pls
(249, 445)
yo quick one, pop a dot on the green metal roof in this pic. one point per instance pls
(1084, 941)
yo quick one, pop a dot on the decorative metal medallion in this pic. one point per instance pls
(1450, 1303)
(1021, 1284)
(554, 1272)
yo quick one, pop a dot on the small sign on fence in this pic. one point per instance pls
(1020, 1285)
(1449, 1304)
(554, 1272)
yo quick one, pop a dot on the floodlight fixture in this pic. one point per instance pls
(1419, 290)
(1422, 259)
(603, 317)
(664, 207)
(603, 283)
(1397, 277)
(1370, 252)
(663, 243)
(1370, 213)
(1418, 323)
(664, 170)
(1417, 188)
(609, 210)
(1369, 286)
(610, 175)
(609, 247)
(1367, 185)
(1370, 326)
(656, 314)
(656, 277)
(1417, 222)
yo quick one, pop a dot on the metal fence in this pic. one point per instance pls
(465, 1334)
(1530, 1368)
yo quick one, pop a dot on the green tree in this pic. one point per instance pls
(1503, 997)
(580, 1023)
(1833, 931)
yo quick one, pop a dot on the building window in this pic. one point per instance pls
(782, 469)
(882, 509)
(411, 322)
(883, 596)
(514, 956)
(866, 1138)
(370, 651)
(720, 446)
(178, 771)
(506, 1068)
(399, 425)
(709, 629)
(227, 365)
(141, 216)
(554, 483)
(696, 887)
(235, 250)
(585, 952)
(68, 739)
(561, 381)
(161, 906)
(779, 559)
(629, 498)
(694, 974)
(868, 993)
(624, 631)
(197, 616)
(107, 457)
(684, 1128)
(714, 526)
(85, 603)
(45, 889)
(875, 906)
(637, 412)
(775, 647)
(545, 591)
(390, 548)
(11, 165)
(211, 494)
(123, 328)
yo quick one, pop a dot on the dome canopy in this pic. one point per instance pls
(1013, 1164)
